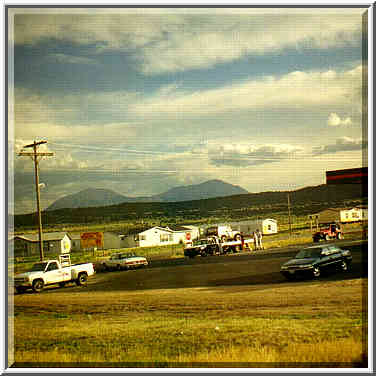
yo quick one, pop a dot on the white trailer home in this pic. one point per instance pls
(357, 214)
(266, 226)
(157, 235)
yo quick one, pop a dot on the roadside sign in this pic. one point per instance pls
(91, 240)
(65, 246)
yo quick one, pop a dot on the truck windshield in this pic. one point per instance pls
(211, 231)
(39, 267)
(199, 242)
(308, 253)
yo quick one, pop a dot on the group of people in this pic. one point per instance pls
(257, 238)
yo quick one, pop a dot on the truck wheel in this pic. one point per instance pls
(62, 284)
(327, 237)
(82, 279)
(339, 236)
(223, 238)
(238, 237)
(38, 285)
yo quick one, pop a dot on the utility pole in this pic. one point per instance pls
(288, 205)
(34, 155)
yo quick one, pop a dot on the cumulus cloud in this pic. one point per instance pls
(56, 162)
(179, 40)
(334, 120)
(242, 155)
(341, 144)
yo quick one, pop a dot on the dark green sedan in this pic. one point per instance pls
(312, 261)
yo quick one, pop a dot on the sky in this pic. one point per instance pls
(141, 100)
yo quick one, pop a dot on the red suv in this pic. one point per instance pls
(333, 231)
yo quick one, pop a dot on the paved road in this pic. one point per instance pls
(257, 269)
(354, 246)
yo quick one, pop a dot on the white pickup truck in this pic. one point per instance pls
(223, 232)
(52, 272)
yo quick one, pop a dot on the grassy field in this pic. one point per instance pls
(218, 312)
(305, 324)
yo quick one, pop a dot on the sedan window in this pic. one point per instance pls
(308, 253)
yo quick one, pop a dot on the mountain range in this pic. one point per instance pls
(304, 201)
(97, 197)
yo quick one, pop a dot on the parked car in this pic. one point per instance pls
(315, 260)
(121, 261)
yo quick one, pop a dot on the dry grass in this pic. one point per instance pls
(307, 322)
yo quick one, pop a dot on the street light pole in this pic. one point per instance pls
(36, 168)
(288, 204)
(34, 155)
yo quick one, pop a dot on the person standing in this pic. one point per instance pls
(259, 237)
(255, 240)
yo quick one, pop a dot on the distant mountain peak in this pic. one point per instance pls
(208, 189)
(97, 197)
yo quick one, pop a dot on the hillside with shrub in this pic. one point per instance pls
(267, 204)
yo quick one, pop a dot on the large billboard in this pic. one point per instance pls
(348, 176)
(91, 240)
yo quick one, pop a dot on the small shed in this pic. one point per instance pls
(54, 243)
(327, 216)
(111, 240)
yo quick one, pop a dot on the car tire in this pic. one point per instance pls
(327, 237)
(223, 238)
(238, 237)
(82, 279)
(316, 272)
(38, 285)
(344, 266)
(339, 236)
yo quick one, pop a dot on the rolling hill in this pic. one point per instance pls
(304, 201)
(104, 197)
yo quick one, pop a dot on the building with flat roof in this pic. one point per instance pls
(348, 176)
